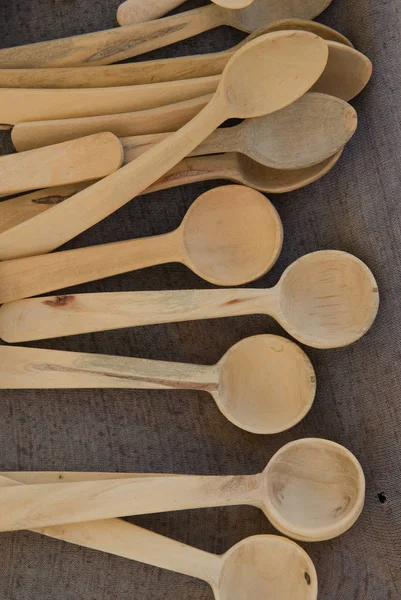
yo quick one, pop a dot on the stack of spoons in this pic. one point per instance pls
(95, 137)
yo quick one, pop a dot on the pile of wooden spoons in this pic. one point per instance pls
(95, 135)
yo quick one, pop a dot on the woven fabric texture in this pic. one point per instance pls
(355, 208)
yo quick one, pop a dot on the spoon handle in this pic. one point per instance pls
(190, 170)
(20, 105)
(140, 11)
(120, 538)
(87, 158)
(222, 140)
(51, 317)
(138, 73)
(34, 275)
(113, 45)
(27, 136)
(38, 477)
(108, 195)
(44, 505)
(32, 368)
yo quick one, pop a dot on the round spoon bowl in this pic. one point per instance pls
(328, 299)
(347, 73)
(231, 235)
(248, 79)
(267, 384)
(314, 490)
(264, 567)
(280, 181)
(301, 135)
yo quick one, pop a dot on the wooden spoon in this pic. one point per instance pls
(231, 235)
(302, 302)
(265, 384)
(311, 490)
(235, 167)
(114, 45)
(286, 567)
(298, 136)
(21, 105)
(347, 74)
(84, 159)
(27, 136)
(155, 71)
(267, 74)
(131, 12)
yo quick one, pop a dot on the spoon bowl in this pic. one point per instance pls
(248, 79)
(263, 567)
(347, 73)
(280, 181)
(261, 12)
(231, 235)
(267, 384)
(323, 478)
(233, 4)
(323, 31)
(328, 299)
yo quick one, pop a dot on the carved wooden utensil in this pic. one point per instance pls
(347, 73)
(22, 105)
(298, 136)
(27, 136)
(264, 384)
(155, 71)
(84, 159)
(326, 299)
(230, 235)
(311, 490)
(235, 167)
(114, 45)
(131, 12)
(267, 74)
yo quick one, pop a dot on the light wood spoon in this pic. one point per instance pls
(267, 74)
(234, 167)
(27, 136)
(114, 45)
(265, 384)
(131, 12)
(311, 490)
(326, 299)
(346, 75)
(21, 105)
(230, 235)
(155, 71)
(298, 136)
(84, 159)
(284, 565)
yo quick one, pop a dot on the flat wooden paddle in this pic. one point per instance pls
(302, 302)
(264, 384)
(155, 71)
(322, 493)
(267, 74)
(114, 45)
(234, 167)
(84, 159)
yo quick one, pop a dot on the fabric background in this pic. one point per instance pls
(355, 208)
